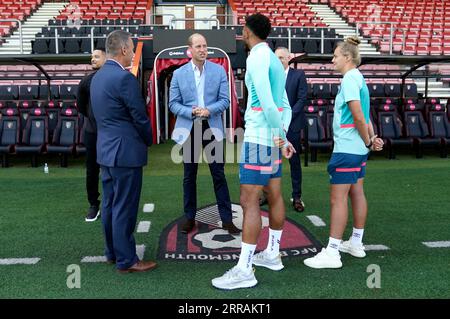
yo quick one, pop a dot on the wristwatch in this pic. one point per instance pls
(370, 144)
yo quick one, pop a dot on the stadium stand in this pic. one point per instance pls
(419, 26)
(10, 9)
(84, 24)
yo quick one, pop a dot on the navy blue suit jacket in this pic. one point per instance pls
(297, 92)
(123, 128)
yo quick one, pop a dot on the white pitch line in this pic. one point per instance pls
(376, 247)
(19, 261)
(94, 259)
(144, 227)
(140, 250)
(316, 220)
(437, 244)
(149, 208)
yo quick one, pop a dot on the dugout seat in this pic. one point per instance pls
(35, 135)
(315, 132)
(65, 136)
(9, 133)
(390, 129)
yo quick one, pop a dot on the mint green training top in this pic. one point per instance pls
(346, 135)
(268, 112)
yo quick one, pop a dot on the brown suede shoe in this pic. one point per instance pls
(298, 205)
(140, 266)
(233, 230)
(188, 226)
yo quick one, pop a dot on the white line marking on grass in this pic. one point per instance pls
(376, 247)
(149, 208)
(316, 220)
(94, 259)
(144, 227)
(140, 250)
(19, 261)
(437, 244)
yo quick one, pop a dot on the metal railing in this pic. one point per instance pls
(20, 31)
(195, 20)
(391, 28)
(91, 35)
(215, 16)
(161, 15)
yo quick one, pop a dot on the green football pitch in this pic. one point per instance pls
(42, 215)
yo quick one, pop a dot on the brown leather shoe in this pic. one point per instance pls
(140, 266)
(188, 226)
(298, 205)
(233, 230)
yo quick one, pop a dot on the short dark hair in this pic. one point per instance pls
(259, 24)
(100, 48)
(115, 41)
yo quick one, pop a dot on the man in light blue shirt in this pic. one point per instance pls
(198, 97)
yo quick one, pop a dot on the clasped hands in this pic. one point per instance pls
(200, 111)
(377, 143)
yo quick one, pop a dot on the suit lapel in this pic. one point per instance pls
(191, 80)
(288, 78)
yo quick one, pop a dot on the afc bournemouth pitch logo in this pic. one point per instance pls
(209, 242)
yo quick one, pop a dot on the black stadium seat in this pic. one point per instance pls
(35, 135)
(440, 127)
(417, 128)
(411, 90)
(390, 129)
(65, 136)
(376, 90)
(9, 92)
(29, 92)
(392, 90)
(68, 91)
(9, 133)
(316, 132)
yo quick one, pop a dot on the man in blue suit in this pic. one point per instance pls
(297, 91)
(124, 133)
(198, 97)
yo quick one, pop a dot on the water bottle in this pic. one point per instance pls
(46, 168)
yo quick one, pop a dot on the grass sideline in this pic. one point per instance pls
(43, 216)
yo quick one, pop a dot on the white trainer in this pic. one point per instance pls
(235, 278)
(354, 250)
(263, 259)
(324, 260)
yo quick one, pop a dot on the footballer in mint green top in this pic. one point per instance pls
(346, 136)
(268, 112)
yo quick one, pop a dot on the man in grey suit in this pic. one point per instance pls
(198, 97)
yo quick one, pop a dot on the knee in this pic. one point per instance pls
(356, 191)
(336, 199)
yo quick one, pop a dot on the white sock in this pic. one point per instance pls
(333, 245)
(357, 236)
(273, 245)
(245, 259)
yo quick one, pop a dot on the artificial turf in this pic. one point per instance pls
(42, 215)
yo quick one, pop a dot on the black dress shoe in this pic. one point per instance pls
(298, 205)
(188, 226)
(233, 230)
